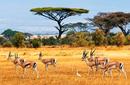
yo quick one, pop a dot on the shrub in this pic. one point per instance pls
(36, 43)
(2, 40)
(127, 40)
(111, 39)
(50, 41)
(7, 44)
(18, 40)
(79, 39)
(99, 37)
(120, 39)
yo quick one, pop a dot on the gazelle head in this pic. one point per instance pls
(84, 55)
(92, 52)
(22, 61)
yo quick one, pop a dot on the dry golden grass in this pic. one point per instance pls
(68, 61)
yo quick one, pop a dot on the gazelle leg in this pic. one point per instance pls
(96, 67)
(90, 69)
(104, 72)
(123, 71)
(54, 65)
(119, 73)
(16, 66)
(24, 71)
(110, 71)
(36, 71)
(46, 66)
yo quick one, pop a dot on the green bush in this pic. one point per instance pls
(18, 40)
(120, 39)
(7, 44)
(127, 40)
(111, 40)
(79, 39)
(50, 41)
(2, 40)
(99, 37)
(36, 43)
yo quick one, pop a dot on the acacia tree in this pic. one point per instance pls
(120, 20)
(58, 15)
(107, 21)
(102, 22)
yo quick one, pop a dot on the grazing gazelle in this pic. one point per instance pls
(114, 65)
(26, 64)
(49, 61)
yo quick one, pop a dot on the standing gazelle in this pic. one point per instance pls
(88, 60)
(26, 64)
(49, 61)
(114, 65)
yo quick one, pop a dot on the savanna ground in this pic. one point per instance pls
(68, 61)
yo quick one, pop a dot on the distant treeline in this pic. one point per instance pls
(72, 38)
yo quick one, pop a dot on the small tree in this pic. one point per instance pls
(36, 43)
(79, 39)
(111, 39)
(18, 40)
(120, 39)
(99, 37)
(127, 40)
(58, 15)
(7, 44)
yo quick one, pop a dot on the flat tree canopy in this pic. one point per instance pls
(51, 9)
(58, 14)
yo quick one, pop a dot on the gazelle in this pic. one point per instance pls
(25, 65)
(98, 60)
(88, 60)
(114, 65)
(49, 61)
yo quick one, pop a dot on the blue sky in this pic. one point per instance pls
(15, 14)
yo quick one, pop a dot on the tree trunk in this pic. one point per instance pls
(59, 35)
(60, 30)
(123, 31)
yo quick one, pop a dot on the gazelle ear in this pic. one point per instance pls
(9, 53)
(17, 54)
(93, 51)
(87, 53)
(40, 54)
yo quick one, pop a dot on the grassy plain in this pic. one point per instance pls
(68, 61)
